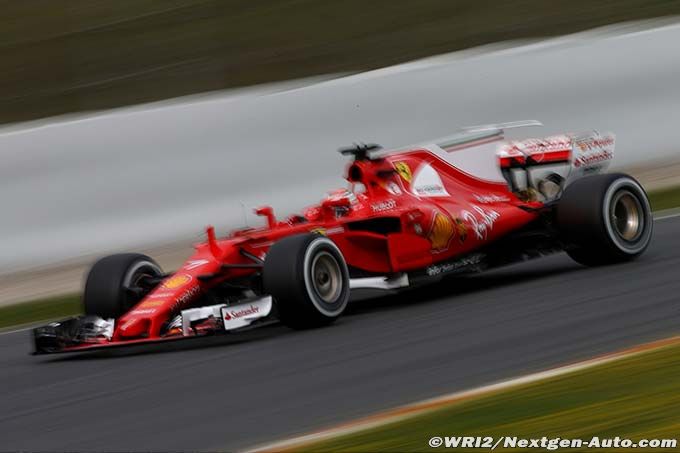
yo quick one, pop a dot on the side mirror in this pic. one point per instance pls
(268, 212)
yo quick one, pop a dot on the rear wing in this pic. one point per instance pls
(479, 135)
(528, 165)
(468, 137)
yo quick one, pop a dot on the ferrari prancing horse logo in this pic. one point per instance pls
(404, 171)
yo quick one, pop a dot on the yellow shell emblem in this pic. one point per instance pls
(404, 171)
(442, 231)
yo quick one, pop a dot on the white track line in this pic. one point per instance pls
(29, 325)
(421, 407)
(667, 214)
(7, 332)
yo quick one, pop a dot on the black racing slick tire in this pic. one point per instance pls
(308, 278)
(605, 219)
(112, 281)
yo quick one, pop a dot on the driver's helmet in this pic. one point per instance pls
(343, 194)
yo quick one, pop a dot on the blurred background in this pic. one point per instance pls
(65, 56)
(131, 124)
(233, 84)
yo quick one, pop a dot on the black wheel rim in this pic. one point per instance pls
(138, 285)
(627, 216)
(326, 277)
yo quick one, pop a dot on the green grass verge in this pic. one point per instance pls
(61, 56)
(43, 309)
(665, 199)
(635, 398)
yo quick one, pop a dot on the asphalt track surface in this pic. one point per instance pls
(240, 391)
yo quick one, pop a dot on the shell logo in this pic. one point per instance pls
(404, 171)
(176, 281)
(442, 231)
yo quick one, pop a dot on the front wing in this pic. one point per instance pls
(83, 333)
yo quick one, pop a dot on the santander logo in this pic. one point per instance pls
(235, 314)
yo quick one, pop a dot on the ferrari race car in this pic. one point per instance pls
(407, 217)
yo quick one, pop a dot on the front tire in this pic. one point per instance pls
(307, 276)
(605, 219)
(107, 289)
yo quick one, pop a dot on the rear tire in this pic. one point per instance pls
(105, 292)
(605, 219)
(307, 276)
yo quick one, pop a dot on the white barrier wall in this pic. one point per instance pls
(157, 173)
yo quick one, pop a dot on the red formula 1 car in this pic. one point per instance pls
(408, 217)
